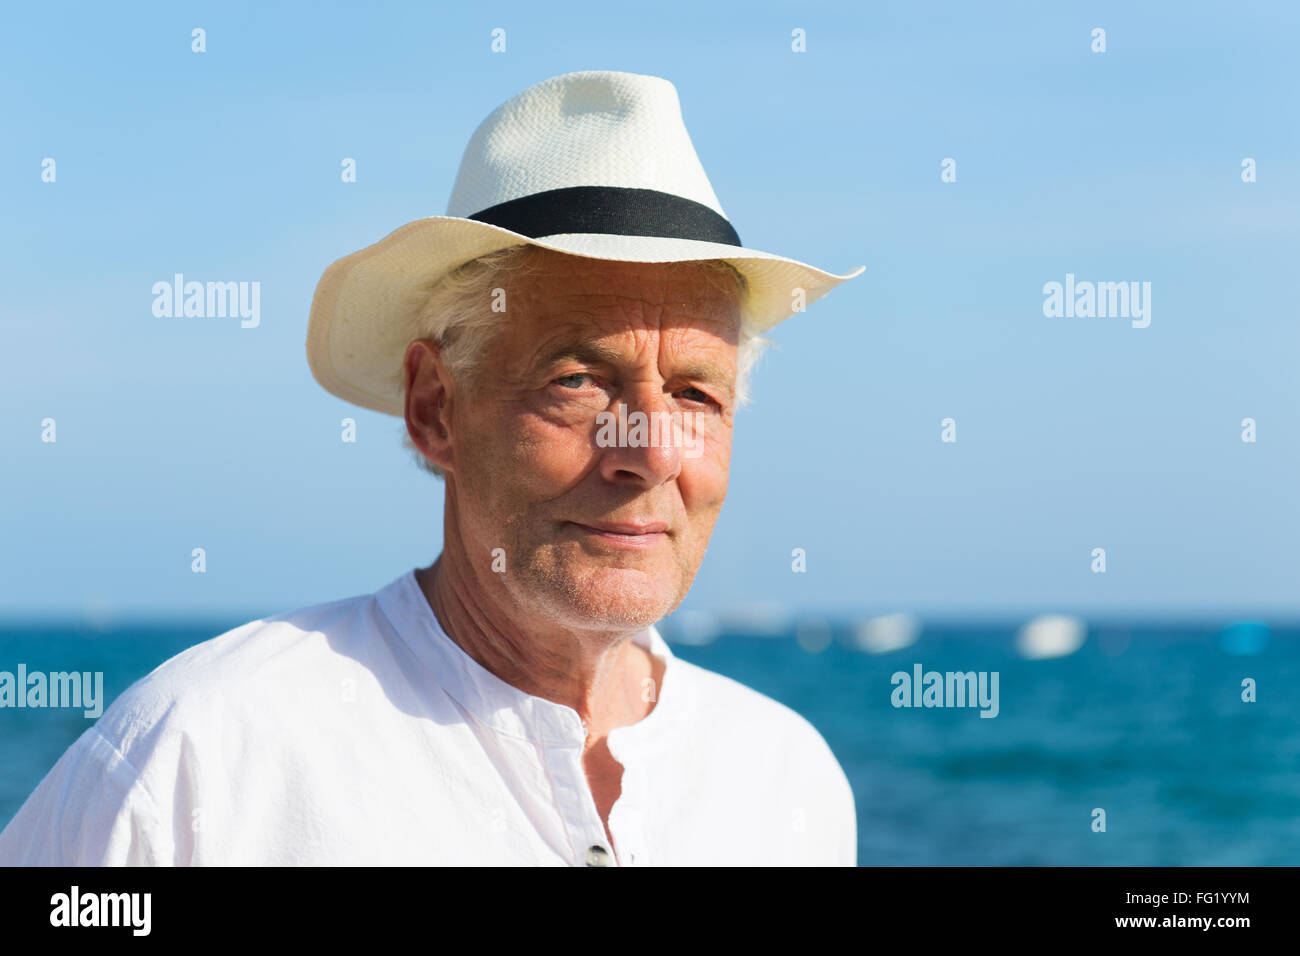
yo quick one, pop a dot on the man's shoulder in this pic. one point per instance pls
(775, 752)
(246, 670)
(741, 712)
(211, 724)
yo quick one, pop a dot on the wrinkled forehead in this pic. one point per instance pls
(669, 307)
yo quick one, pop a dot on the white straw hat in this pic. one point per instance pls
(596, 163)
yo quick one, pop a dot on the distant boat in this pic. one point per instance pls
(887, 633)
(1052, 635)
(814, 634)
(757, 620)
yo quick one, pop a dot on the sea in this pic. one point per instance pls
(1130, 744)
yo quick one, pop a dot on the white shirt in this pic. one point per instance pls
(358, 732)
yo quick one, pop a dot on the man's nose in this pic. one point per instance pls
(641, 441)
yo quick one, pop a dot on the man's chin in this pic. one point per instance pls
(606, 597)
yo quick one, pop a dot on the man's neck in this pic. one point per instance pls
(601, 676)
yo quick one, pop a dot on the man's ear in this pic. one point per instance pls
(428, 402)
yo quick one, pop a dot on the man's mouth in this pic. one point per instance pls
(625, 534)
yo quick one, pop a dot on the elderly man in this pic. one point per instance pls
(513, 703)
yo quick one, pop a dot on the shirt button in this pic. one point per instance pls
(597, 856)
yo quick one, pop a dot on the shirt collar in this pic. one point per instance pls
(501, 706)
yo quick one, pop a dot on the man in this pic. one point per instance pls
(568, 348)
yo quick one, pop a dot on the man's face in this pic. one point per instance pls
(597, 535)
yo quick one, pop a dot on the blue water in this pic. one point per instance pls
(1144, 722)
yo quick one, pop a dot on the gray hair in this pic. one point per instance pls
(453, 315)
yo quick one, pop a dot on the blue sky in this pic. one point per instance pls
(1073, 433)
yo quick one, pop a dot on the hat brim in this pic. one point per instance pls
(364, 311)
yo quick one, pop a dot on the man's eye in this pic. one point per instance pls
(695, 395)
(568, 381)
